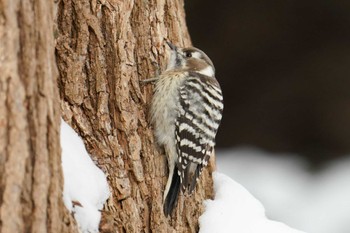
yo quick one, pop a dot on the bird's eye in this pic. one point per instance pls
(188, 54)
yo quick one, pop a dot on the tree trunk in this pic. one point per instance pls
(30, 165)
(104, 48)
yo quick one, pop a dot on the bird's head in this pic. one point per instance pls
(190, 59)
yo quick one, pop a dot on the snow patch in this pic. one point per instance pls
(315, 202)
(234, 209)
(84, 182)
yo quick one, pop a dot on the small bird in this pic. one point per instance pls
(186, 111)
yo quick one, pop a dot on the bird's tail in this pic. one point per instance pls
(173, 194)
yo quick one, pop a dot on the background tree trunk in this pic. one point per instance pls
(103, 49)
(30, 165)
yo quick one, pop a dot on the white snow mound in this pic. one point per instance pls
(84, 182)
(235, 210)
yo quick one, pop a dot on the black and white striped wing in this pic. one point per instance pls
(199, 116)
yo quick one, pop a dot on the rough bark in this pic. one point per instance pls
(30, 165)
(103, 50)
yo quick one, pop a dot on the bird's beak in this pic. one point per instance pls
(172, 47)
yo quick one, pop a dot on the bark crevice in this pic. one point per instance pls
(113, 47)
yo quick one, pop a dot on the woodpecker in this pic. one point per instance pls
(186, 111)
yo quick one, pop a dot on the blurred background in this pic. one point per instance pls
(284, 67)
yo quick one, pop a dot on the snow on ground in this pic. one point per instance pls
(84, 183)
(234, 209)
(315, 203)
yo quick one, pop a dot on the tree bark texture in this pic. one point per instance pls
(103, 49)
(30, 164)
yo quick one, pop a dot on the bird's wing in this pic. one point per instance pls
(199, 116)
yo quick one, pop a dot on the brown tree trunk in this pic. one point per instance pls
(30, 164)
(104, 48)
